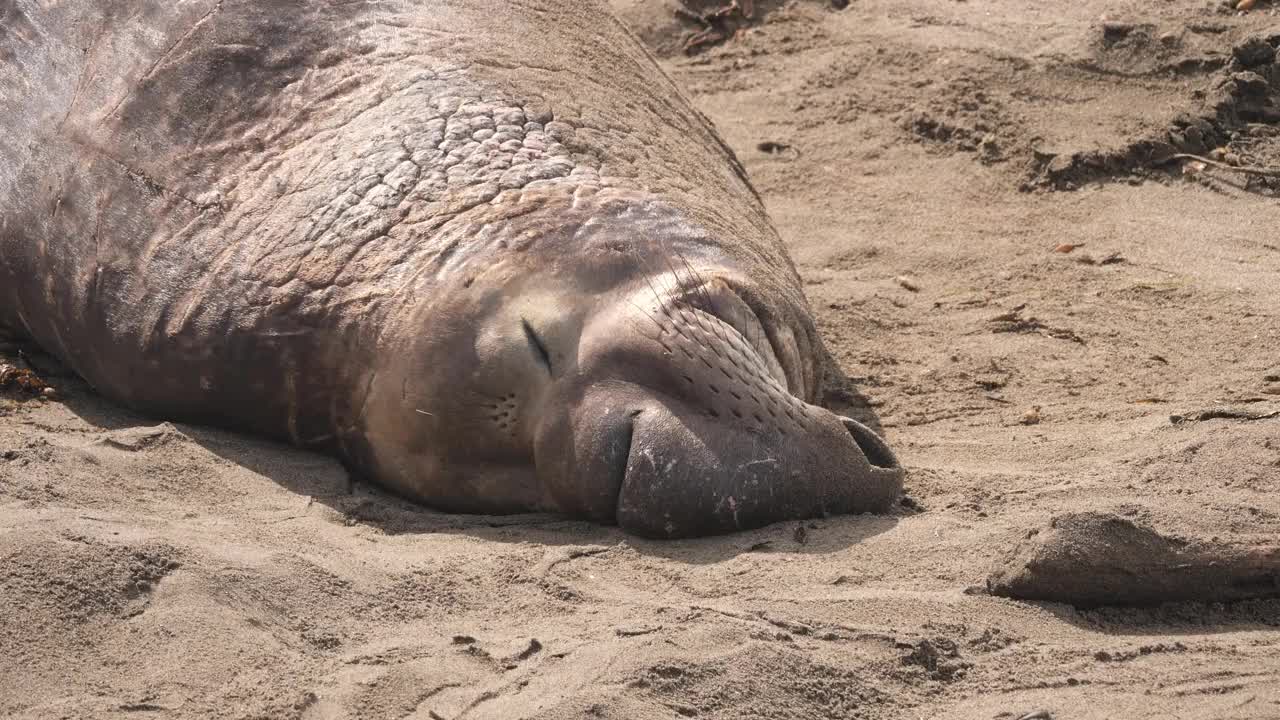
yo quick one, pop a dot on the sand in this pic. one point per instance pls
(924, 160)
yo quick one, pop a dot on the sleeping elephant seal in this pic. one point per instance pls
(483, 251)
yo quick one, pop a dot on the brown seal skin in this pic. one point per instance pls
(483, 251)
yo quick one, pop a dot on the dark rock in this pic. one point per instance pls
(940, 658)
(1254, 52)
(1113, 32)
(1194, 139)
(1251, 83)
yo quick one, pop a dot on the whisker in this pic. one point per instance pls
(704, 295)
(648, 278)
(647, 314)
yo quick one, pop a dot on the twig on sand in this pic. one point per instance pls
(1264, 172)
(552, 558)
(715, 27)
(1222, 414)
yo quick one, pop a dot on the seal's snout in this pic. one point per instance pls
(694, 475)
(686, 426)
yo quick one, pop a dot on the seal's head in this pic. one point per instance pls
(625, 368)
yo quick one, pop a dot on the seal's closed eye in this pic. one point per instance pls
(535, 344)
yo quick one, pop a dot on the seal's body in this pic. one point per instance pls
(484, 251)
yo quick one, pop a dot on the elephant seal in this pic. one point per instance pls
(483, 251)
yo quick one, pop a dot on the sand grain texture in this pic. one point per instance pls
(158, 571)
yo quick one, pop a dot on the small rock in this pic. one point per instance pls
(1116, 31)
(1246, 5)
(772, 147)
(1032, 416)
(533, 648)
(1059, 165)
(939, 657)
(908, 282)
(1254, 52)
(210, 199)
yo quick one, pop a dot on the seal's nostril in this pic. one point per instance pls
(873, 447)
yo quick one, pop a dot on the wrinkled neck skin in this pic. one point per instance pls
(611, 360)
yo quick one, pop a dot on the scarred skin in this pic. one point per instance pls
(483, 251)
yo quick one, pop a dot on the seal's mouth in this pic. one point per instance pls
(686, 475)
(876, 451)
(624, 435)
